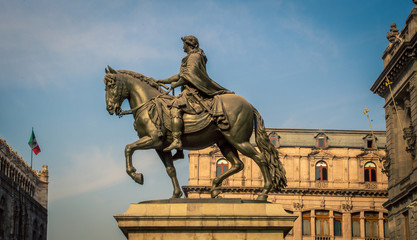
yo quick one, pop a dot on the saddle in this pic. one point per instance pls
(159, 113)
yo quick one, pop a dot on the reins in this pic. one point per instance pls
(130, 111)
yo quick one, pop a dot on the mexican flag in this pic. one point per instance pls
(34, 144)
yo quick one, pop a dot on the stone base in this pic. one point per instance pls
(207, 219)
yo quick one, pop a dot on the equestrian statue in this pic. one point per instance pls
(203, 114)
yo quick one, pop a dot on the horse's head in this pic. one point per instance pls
(116, 91)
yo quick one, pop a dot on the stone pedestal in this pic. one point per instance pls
(208, 219)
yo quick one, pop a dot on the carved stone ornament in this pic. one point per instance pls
(386, 162)
(323, 203)
(321, 184)
(298, 206)
(393, 33)
(410, 138)
(370, 185)
(347, 207)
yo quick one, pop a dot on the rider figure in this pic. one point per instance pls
(194, 80)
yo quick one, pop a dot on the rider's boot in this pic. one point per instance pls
(177, 124)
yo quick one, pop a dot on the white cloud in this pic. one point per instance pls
(96, 168)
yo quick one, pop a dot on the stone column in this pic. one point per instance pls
(362, 224)
(313, 223)
(381, 225)
(331, 223)
(347, 226)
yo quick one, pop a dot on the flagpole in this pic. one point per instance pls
(31, 154)
(372, 131)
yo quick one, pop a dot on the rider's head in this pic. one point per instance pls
(190, 41)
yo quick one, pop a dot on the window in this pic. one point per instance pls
(370, 172)
(221, 167)
(273, 138)
(338, 224)
(322, 223)
(370, 143)
(274, 141)
(321, 142)
(306, 223)
(371, 224)
(355, 225)
(321, 171)
(386, 232)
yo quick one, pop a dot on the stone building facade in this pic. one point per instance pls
(400, 69)
(336, 186)
(23, 198)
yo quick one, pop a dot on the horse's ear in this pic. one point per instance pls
(107, 71)
(111, 69)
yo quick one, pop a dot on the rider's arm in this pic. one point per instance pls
(178, 83)
(171, 79)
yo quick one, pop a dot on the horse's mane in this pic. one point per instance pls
(150, 81)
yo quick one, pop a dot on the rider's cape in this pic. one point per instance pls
(193, 70)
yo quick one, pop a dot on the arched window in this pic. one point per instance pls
(321, 171)
(274, 139)
(371, 224)
(322, 223)
(221, 167)
(370, 172)
(338, 220)
(306, 223)
(356, 225)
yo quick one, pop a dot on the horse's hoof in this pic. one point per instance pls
(215, 193)
(262, 197)
(138, 177)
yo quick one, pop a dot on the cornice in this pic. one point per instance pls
(403, 56)
(294, 191)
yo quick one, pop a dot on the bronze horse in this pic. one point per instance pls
(242, 116)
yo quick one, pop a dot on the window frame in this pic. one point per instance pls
(337, 216)
(371, 220)
(356, 217)
(222, 165)
(370, 172)
(322, 218)
(324, 143)
(372, 143)
(316, 167)
(306, 216)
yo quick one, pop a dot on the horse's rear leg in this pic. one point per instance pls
(248, 150)
(230, 153)
(166, 158)
(143, 143)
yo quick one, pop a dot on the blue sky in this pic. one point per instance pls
(302, 64)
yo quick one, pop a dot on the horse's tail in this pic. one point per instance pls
(270, 153)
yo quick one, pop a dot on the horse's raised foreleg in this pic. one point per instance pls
(166, 158)
(143, 143)
(230, 153)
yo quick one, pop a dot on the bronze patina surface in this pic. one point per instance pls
(203, 114)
